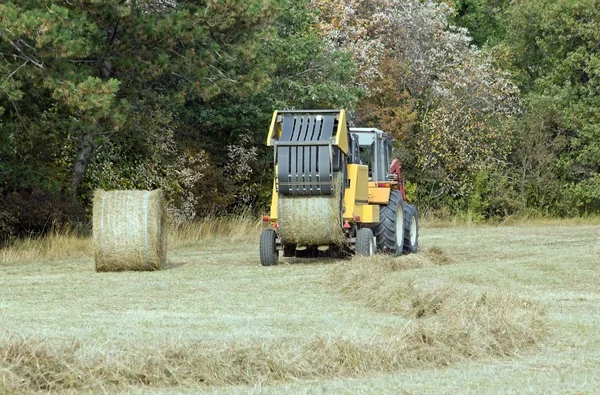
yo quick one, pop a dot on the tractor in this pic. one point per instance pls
(334, 188)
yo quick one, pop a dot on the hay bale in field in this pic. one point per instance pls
(312, 220)
(129, 230)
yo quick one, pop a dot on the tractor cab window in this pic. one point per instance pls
(366, 157)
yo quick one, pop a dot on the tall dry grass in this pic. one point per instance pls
(231, 228)
(73, 244)
(58, 244)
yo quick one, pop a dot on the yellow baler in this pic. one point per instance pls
(329, 192)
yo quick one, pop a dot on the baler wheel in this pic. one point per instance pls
(365, 245)
(269, 255)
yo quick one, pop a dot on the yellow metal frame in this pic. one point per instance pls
(272, 129)
(274, 200)
(369, 214)
(379, 195)
(356, 194)
(356, 197)
(341, 136)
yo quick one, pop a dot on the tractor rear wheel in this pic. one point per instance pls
(390, 229)
(269, 255)
(365, 245)
(411, 229)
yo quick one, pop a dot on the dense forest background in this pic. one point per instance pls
(495, 104)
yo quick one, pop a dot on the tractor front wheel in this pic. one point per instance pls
(365, 245)
(269, 255)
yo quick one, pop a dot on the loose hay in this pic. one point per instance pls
(129, 230)
(449, 320)
(312, 220)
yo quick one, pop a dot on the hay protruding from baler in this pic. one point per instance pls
(313, 220)
(129, 230)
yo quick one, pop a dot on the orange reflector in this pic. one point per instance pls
(346, 225)
(357, 218)
(276, 225)
(383, 184)
(266, 218)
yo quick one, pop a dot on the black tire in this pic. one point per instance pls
(269, 255)
(411, 229)
(389, 232)
(365, 245)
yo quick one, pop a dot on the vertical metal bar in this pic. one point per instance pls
(293, 178)
(307, 132)
(287, 127)
(324, 158)
(313, 154)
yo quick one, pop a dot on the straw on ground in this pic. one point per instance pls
(500, 308)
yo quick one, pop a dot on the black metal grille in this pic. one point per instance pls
(304, 154)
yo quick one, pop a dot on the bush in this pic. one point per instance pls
(36, 212)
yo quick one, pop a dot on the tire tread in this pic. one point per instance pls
(269, 256)
(385, 230)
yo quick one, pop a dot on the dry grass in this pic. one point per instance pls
(235, 228)
(431, 221)
(443, 325)
(216, 321)
(28, 365)
(448, 320)
(68, 244)
(63, 244)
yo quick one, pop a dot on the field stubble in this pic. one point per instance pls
(476, 300)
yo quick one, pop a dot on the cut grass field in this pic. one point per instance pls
(480, 309)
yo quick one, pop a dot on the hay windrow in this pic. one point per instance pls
(312, 220)
(129, 230)
(450, 318)
(32, 365)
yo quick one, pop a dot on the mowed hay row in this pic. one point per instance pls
(129, 230)
(446, 320)
(32, 365)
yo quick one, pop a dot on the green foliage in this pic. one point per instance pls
(150, 94)
(585, 195)
(410, 189)
(179, 95)
(483, 18)
(554, 45)
(92, 92)
(492, 197)
(302, 73)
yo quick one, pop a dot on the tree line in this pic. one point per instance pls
(494, 104)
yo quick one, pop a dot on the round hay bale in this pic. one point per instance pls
(312, 220)
(129, 230)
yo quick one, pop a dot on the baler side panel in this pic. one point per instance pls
(356, 194)
(274, 200)
(341, 137)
